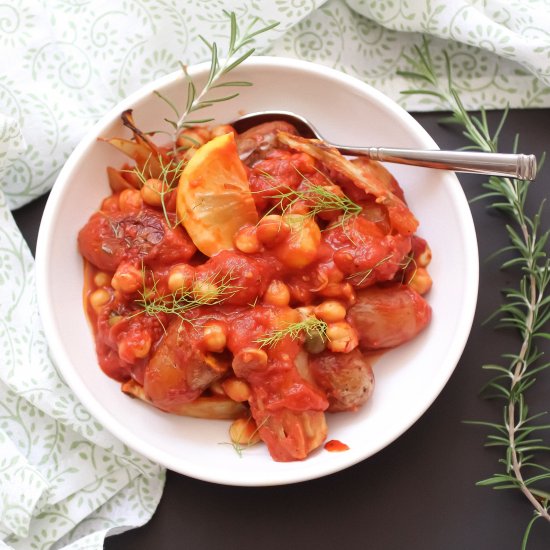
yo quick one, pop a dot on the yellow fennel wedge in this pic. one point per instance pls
(214, 198)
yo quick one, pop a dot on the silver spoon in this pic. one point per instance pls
(522, 167)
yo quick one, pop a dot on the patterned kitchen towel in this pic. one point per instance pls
(62, 475)
(65, 482)
(65, 63)
(499, 49)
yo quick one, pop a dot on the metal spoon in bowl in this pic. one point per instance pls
(522, 167)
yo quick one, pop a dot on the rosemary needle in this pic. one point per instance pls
(237, 52)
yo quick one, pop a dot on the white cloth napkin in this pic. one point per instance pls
(65, 482)
(62, 475)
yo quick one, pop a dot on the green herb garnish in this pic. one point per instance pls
(213, 290)
(310, 326)
(317, 198)
(361, 277)
(237, 52)
(526, 307)
(169, 176)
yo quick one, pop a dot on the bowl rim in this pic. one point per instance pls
(86, 397)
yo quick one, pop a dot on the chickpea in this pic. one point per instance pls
(130, 350)
(301, 247)
(152, 190)
(277, 294)
(421, 281)
(180, 277)
(272, 230)
(221, 130)
(286, 317)
(425, 257)
(244, 431)
(330, 311)
(193, 137)
(254, 355)
(142, 348)
(98, 298)
(236, 389)
(127, 278)
(205, 292)
(214, 337)
(110, 204)
(130, 200)
(246, 240)
(249, 360)
(344, 291)
(102, 279)
(342, 337)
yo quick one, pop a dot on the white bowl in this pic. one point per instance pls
(408, 379)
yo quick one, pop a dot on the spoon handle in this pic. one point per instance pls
(522, 167)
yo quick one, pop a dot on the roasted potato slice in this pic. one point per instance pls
(217, 407)
(179, 371)
(388, 317)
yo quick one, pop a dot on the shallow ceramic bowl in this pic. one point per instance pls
(408, 379)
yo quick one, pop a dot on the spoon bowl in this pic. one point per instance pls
(523, 167)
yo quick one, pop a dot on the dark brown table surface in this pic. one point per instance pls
(420, 491)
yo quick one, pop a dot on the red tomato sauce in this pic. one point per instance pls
(335, 446)
(178, 328)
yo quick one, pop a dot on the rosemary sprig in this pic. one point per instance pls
(311, 326)
(237, 53)
(526, 308)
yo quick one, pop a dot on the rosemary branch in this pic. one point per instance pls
(526, 309)
(198, 100)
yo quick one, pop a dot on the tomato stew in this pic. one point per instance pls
(252, 277)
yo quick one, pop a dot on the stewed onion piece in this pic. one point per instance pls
(388, 317)
(214, 199)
